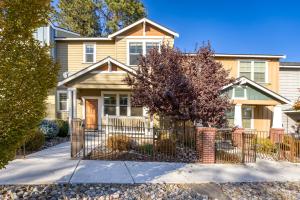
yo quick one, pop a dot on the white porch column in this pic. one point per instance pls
(277, 117)
(74, 102)
(238, 115)
(72, 106)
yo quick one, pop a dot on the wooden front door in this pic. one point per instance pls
(91, 113)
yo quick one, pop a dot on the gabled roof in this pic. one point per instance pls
(144, 20)
(243, 80)
(94, 66)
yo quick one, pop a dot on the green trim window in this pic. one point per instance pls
(247, 117)
(247, 113)
(239, 93)
(254, 70)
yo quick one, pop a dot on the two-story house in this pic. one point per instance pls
(91, 83)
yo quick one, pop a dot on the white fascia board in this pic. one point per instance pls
(245, 55)
(82, 39)
(143, 21)
(91, 67)
(243, 80)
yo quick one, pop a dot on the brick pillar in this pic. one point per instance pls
(237, 137)
(205, 144)
(276, 135)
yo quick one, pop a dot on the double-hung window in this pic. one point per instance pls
(62, 101)
(136, 49)
(254, 70)
(110, 104)
(89, 53)
(118, 104)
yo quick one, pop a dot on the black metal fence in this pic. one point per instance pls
(234, 147)
(134, 143)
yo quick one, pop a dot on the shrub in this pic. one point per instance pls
(119, 142)
(166, 146)
(49, 128)
(146, 149)
(35, 141)
(63, 127)
(265, 145)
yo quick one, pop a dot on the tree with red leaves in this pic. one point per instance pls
(182, 87)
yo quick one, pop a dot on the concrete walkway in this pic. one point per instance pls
(54, 165)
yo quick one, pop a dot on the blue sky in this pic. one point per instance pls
(232, 26)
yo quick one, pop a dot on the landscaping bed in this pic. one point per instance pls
(254, 190)
(100, 191)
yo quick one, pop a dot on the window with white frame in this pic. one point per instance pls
(254, 70)
(239, 92)
(118, 104)
(135, 50)
(138, 48)
(62, 101)
(110, 104)
(89, 53)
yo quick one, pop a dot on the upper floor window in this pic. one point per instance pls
(89, 53)
(62, 99)
(254, 70)
(140, 48)
(135, 50)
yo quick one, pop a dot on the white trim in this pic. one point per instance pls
(252, 69)
(58, 92)
(82, 39)
(144, 37)
(242, 80)
(84, 52)
(99, 107)
(290, 66)
(143, 47)
(92, 67)
(244, 55)
(107, 72)
(144, 20)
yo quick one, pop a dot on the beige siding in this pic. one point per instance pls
(50, 106)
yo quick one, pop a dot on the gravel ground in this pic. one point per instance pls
(263, 190)
(100, 191)
(266, 190)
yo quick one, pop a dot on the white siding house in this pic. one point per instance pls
(289, 77)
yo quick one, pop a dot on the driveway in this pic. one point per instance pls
(54, 165)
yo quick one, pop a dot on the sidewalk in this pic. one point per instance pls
(54, 165)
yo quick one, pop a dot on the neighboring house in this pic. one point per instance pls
(90, 82)
(290, 88)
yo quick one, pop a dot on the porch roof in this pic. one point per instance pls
(88, 69)
(243, 80)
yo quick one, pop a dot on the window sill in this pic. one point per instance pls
(88, 62)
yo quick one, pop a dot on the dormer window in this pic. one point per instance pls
(137, 48)
(89, 53)
(254, 70)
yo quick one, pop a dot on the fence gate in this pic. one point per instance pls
(235, 147)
